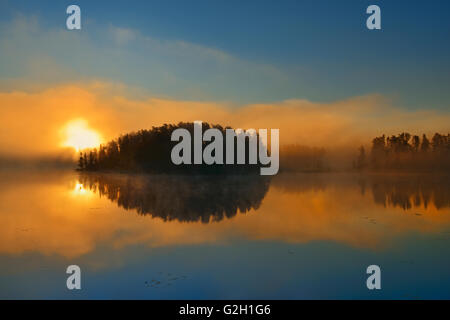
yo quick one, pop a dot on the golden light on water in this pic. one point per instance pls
(79, 189)
(78, 135)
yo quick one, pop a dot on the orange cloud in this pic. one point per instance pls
(31, 122)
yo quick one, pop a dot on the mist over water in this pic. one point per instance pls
(221, 150)
(219, 236)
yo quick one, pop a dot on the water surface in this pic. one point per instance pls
(293, 236)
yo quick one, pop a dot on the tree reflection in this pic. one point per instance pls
(409, 191)
(406, 191)
(182, 198)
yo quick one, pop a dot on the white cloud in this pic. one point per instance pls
(175, 68)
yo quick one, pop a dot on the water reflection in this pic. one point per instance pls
(405, 191)
(70, 215)
(296, 228)
(409, 192)
(182, 198)
(211, 198)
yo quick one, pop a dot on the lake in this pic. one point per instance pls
(292, 236)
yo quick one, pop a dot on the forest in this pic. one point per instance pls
(406, 152)
(150, 151)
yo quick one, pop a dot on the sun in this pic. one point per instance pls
(79, 136)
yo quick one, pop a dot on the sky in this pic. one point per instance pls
(231, 55)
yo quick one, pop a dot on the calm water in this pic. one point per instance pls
(160, 237)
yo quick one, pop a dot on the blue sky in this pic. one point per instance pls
(240, 51)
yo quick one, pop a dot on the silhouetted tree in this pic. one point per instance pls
(81, 162)
(415, 143)
(425, 146)
(150, 151)
(401, 152)
(85, 161)
(378, 153)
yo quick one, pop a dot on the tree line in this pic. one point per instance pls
(406, 152)
(149, 151)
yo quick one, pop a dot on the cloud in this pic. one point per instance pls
(34, 56)
(31, 122)
(123, 35)
(120, 80)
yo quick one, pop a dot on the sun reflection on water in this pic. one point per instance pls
(80, 190)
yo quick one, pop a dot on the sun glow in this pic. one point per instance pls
(79, 189)
(81, 192)
(79, 136)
